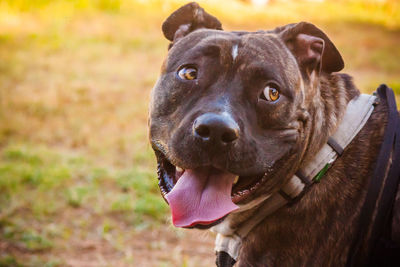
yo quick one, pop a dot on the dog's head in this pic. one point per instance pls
(231, 114)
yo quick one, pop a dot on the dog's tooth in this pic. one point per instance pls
(179, 169)
(236, 180)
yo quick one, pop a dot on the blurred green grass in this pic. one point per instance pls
(75, 78)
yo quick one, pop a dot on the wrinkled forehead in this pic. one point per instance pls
(265, 47)
(200, 43)
(267, 50)
(235, 47)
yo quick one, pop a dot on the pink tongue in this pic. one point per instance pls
(201, 197)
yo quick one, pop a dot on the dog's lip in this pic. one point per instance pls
(206, 226)
(168, 174)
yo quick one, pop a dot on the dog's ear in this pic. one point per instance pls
(187, 19)
(311, 47)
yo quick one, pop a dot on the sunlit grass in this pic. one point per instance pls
(75, 78)
(38, 184)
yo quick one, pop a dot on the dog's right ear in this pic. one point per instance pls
(187, 19)
(312, 48)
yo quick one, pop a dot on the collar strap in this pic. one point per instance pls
(357, 114)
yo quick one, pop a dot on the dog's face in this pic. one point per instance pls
(230, 114)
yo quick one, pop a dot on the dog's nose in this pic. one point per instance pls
(215, 128)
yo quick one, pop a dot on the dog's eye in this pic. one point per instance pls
(270, 93)
(187, 73)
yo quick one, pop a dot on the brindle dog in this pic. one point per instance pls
(235, 114)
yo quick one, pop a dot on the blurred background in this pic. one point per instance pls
(78, 180)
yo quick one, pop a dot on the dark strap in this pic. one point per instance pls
(224, 259)
(285, 196)
(382, 246)
(335, 146)
(303, 178)
(377, 181)
(385, 253)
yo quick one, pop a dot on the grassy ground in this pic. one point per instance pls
(77, 176)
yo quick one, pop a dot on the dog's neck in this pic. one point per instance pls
(326, 104)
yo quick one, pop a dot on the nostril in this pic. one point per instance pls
(229, 136)
(203, 131)
(215, 129)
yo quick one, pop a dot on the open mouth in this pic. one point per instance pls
(217, 192)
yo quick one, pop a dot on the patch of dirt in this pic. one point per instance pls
(148, 248)
(161, 247)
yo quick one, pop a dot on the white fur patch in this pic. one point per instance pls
(234, 51)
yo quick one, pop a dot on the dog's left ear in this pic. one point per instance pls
(311, 47)
(187, 19)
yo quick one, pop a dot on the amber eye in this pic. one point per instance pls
(187, 73)
(270, 93)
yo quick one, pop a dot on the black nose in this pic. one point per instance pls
(215, 128)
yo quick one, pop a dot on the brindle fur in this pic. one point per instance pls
(319, 229)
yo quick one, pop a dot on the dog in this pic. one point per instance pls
(235, 115)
